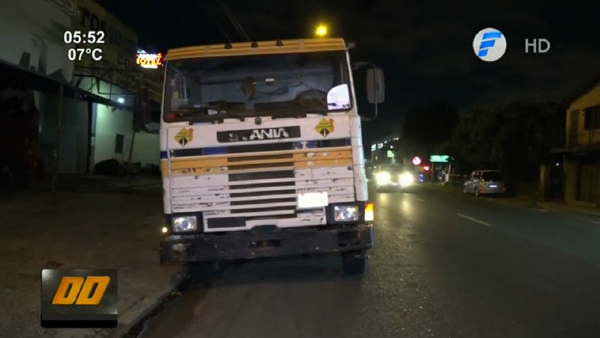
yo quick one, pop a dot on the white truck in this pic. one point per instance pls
(262, 153)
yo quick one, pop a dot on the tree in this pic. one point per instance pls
(515, 138)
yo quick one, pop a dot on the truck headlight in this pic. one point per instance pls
(383, 178)
(345, 213)
(185, 224)
(406, 179)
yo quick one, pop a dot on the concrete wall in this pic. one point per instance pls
(109, 123)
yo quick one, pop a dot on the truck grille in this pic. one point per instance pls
(239, 187)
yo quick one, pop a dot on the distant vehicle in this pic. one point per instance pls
(395, 176)
(485, 182)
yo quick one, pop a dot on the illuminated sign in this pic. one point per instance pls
(79, 298)
(439, 158)
(149, 60)
(416, 160)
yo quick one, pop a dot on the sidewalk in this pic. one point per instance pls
(80, 230)
(526, 202)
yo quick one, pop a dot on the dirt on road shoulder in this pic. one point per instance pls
(79, 230)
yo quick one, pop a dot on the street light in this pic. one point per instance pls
(321, 31)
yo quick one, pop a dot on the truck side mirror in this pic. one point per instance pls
(375, 85)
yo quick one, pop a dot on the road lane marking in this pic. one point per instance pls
(418, 199)
(474, 220)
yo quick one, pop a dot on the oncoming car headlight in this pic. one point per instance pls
(406, 179)
(383, 178)
(345, 213)
(185, 224)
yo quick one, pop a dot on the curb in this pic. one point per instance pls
(176, 283)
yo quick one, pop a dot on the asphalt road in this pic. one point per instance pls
(444, 265)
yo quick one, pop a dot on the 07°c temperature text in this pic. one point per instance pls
(78, 54)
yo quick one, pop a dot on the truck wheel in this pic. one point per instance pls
(354, 262)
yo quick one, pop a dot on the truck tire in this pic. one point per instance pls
(354, 262)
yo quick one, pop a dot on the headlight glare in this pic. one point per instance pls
(185, 224)
(406, 179)
(345, 213)
(383, 178)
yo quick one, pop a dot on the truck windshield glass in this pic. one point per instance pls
(288, 84)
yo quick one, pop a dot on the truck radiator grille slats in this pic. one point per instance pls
(264, 193)
(261, 175)
(259, 184)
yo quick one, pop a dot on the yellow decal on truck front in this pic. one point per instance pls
(325, 127)
(184, 136)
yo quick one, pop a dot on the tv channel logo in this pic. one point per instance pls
(79, 298)
(489, 44)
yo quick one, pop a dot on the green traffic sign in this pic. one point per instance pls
(439, 158)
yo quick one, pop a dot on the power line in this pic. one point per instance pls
(222, 30)
(236, 24)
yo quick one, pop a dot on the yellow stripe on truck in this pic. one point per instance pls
(257, 162)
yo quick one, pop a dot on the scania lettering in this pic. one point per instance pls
(262, 154)
(261, 134)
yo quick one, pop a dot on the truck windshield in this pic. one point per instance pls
(244, 86)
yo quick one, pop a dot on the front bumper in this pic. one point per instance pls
(250, 244)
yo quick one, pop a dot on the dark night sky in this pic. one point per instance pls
(424, 47)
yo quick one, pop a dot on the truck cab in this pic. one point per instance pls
(262, 155)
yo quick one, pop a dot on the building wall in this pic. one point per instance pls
(570, 169)
(32, 38)
(589, 99)
(582, 170)
(592, 98)
(74, 135)
(31, 35)
(111, 123)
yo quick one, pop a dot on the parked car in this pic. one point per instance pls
(485, 182)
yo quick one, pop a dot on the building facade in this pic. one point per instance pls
(581, 150)
(86, 107)
(383, 150)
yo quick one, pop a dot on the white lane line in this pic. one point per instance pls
(418, 199)
(474, 220)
